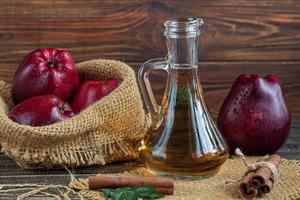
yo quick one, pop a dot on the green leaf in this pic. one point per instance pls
(129, 195)
(132, 193)
(144, 189)
(107, 192)
(153, 195)
(116, 195)
(123, 189)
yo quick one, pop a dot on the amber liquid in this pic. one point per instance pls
(184, 141)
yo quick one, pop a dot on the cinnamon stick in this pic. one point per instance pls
(266, 187)
(256, 182)
(247, 190)
(259, 181)
(164, 190)
(97, 182)
(263, 174)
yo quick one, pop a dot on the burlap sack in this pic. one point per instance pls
(105, 132)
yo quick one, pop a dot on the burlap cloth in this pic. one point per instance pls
(105, 132)
(224, 185)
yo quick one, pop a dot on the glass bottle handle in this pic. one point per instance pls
(144, 83)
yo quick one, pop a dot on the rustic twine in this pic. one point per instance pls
(34, 189)
(256, 165)
(105, 132)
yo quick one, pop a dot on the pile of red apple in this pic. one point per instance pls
(46, 81)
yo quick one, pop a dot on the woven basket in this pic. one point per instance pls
(105, 132)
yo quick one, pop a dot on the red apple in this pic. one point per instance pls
(41, 110)
(45, 71)
(254, 115)
(91, 91)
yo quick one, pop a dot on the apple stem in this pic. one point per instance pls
(63, 107)
(50, 64)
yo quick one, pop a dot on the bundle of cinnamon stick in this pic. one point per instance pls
(260, 181)
(162, 185)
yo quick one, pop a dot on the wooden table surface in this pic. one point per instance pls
(239, 36)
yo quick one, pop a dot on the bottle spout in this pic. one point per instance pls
(184, 26)
(182, 41)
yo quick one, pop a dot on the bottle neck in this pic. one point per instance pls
(182, 51)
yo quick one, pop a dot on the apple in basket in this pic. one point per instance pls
(41, 110)
(91, 91)
(45, 71)
(45, 79)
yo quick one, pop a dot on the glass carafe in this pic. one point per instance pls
(183, 140)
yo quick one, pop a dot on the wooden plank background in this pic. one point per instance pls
(257, 36)
(238, 36)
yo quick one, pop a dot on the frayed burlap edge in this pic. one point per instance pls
(115, 149)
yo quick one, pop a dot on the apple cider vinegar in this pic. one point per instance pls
(182, 143)
(183, 140)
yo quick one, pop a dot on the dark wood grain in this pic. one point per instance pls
(258, 36)
(132, 30)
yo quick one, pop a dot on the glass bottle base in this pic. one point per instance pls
(186, 175)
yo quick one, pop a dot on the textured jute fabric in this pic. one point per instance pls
(104, 132)
(224, 185)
